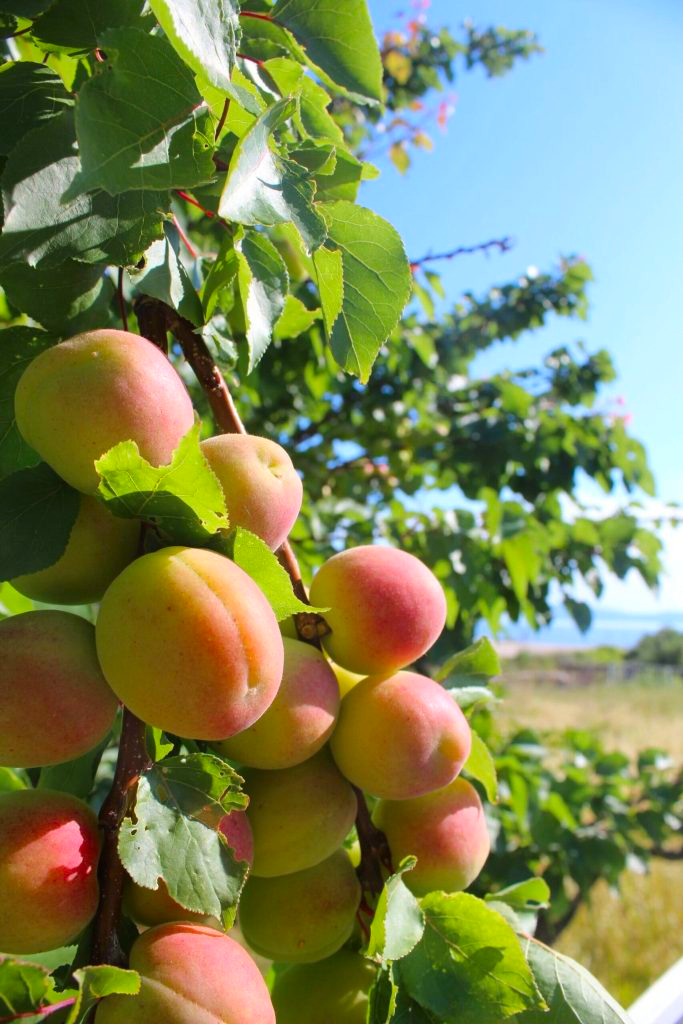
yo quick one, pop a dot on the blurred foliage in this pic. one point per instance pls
(662, 648)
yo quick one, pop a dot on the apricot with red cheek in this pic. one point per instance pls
(190, 644)
(49, 848)
(386, 608)
(121, 386)
(55, 704)
(300, 719)
(262, 489)
(445, 830)
(189, 974)
(400, 736)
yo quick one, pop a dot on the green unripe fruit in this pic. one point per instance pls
(121, 386)
(49, 847)
(400, 737)
(100, 546)
(190, 975)
(298, 815)
(55, 704)
(331, 990)
(304, 916)
(300, 719)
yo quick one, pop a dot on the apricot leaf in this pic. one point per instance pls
(398, 923)
(204, 33)
(37, 512)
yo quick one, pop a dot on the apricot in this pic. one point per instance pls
(190, 644)
(298, 815)
(190, 974)
(78, 399)
(300, 719)
(347, 680)
(445, 830)
(386, 608)
(304, 916)
(100, 546)
(262, 489)
(55, 703)
(400, 736)
(335, 989)
(157, 906)
(49, 846)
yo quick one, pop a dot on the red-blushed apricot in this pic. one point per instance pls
(386, 608)
(55, 704)
(331, 990)
(49, 847)
(78, 399)
(304, 916)
(190, 975)
(157, 906)
(400, 736)
(100, 546)
(298, 815)
(190, 644)
(300, 719)
(446, 831)
(262, 489)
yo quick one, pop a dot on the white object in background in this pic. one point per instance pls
(662, 1003)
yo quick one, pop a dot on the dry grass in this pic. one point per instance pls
(627, 941)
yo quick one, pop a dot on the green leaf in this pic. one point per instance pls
(339, 43)
(12, 779)
(468, 696)
(398, 923)
(18, 346)
(296, 319)
(522, 562)
(529, 895)
(79, 24)
(164, 277)
(481, 766)
(30, 95)
(141, 137)
(24, 987)
(44, 230)
(389, 1002)
(265, 188)
(76, 777)
(94, 983)
(184, 499)
(572, 994)
(263, 283)
(376, 284)
(469, 967)
(258, 561)
(12, 602)
(37, 511)
(157, 747)
(72, 299)
(204, 32)
(166, 839)
(478, 662)
(24, 8)
(312, 118)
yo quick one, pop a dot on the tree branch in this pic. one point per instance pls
(374, 849)
(132, 760)
(501, 244)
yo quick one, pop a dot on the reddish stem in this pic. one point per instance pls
(207, 213)
(132, 760)
(252, 60)
(261, 17)
(184, 239)
(43, 1011)
(221, 122)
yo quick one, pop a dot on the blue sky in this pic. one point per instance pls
(577, 151)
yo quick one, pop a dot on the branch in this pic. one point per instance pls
(132, 760)
(374, 849)
(502, 244)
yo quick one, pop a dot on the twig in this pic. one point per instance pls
(221, 122)
(184, 239)
(252, 60)
(152, 321)
(260, 17)
(43, 1011)
(374, 849)
(207, 213)
(132, 760)
(502, 244)
(121, 300)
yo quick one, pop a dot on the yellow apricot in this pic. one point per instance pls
(331, 990)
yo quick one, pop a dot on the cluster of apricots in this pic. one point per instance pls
(188, 642)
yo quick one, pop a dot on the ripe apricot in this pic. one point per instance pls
(386, 608)
(335, 989)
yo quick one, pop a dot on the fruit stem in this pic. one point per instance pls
(374, 849)
(133, 759)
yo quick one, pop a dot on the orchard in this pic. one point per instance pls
(230, 789)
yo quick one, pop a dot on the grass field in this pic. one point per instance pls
(626, 941)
